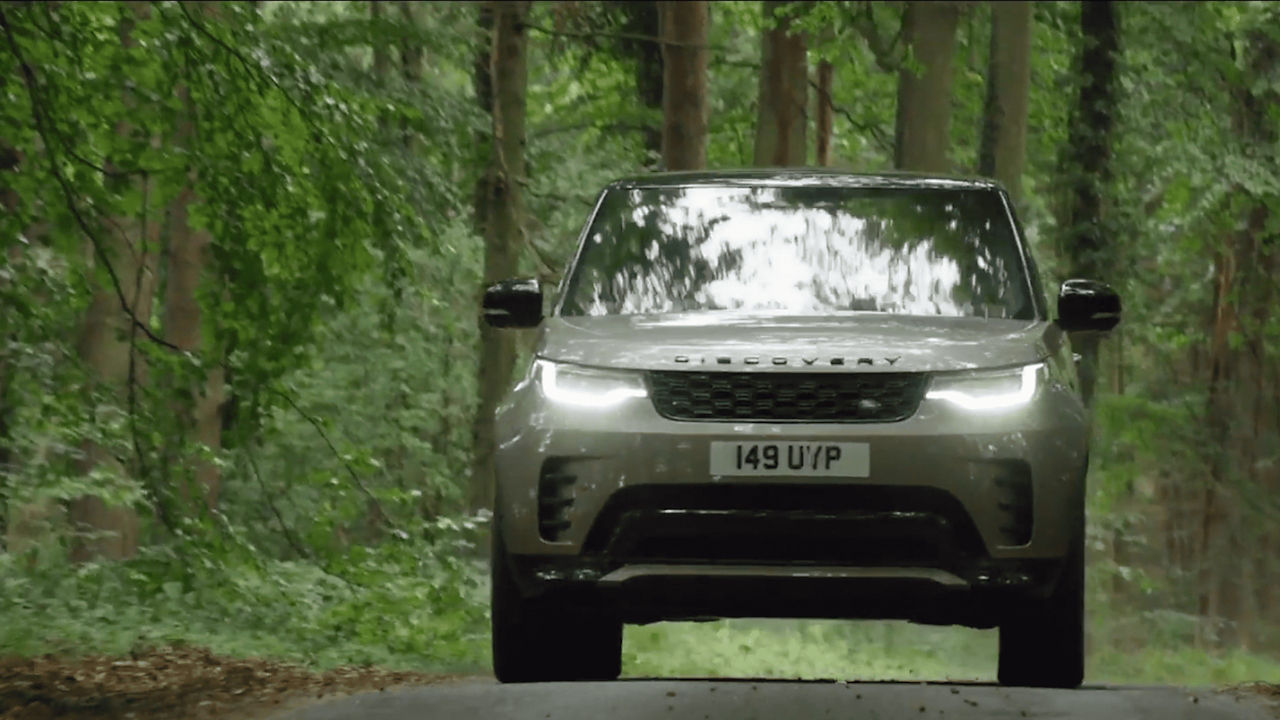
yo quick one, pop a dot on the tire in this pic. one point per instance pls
(542, 640)
(1043, 645)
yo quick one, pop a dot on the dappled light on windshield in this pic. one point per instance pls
(801, 250)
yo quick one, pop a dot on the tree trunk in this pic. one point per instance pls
(187, 252)
(782, 111)
(1088, 165)
(643, 20)
(106, 346)
(1240, 414)
(923, 117)
(381, 57)
(1004, 128)
(482, 83)
(410, 66)
(825, 115)
(503, 229)
(684, 84)
(199, 414)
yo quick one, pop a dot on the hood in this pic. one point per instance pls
(865, 342)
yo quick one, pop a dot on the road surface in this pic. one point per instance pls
(785, 700)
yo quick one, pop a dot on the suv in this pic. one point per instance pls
(793, 394)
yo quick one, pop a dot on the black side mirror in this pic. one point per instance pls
(515, 303)
(1085, 305)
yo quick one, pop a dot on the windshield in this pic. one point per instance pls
(800, 250)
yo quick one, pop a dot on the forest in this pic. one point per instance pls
(246, 399)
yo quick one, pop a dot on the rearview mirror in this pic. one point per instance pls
(515, 303)
(1085, 305)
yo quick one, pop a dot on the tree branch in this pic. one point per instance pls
(100, 252)
(355, 477)
(289, 536)
(887, 54)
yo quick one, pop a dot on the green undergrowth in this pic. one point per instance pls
(900, 651)
(400, 606)
(420, 606)
(808, 650)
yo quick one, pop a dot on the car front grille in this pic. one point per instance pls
(794, 397)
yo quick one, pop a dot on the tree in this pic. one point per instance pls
(782, 108)
(1002, 154)
(1241, 411)
(684, 84)
(643, 20)
(504, 232)
(824, 125)
(923, 121)
(1087, 164)
(121, 300)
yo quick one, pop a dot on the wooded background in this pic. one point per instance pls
(244, 395)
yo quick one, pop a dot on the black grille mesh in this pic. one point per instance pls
(797, 397)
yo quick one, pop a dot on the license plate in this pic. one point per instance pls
(808, 459)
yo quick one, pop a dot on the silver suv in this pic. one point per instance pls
(793, 394)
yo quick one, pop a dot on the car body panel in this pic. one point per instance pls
(961, 455)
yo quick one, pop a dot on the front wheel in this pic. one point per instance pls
(1042, 644)
(540, 640)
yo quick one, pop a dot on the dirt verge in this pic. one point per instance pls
(176, 682)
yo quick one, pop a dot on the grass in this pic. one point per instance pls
(899, 651)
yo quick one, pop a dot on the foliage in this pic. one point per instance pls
(341, 289)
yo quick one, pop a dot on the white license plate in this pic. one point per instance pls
(809, 459)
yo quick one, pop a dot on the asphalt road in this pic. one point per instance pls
(768, 699)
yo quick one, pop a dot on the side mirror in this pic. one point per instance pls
(515, 303)
(1085, 305)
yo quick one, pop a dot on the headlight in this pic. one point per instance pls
(588, 387)
(988, 390)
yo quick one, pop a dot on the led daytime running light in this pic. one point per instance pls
(552, 388)
(969, 401)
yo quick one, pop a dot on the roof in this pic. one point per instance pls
(800, 177)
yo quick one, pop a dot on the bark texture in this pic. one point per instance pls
(1087, 169)
(642, 21)
(1235, 572)
(106, 344)
(411, 55)
(200, 419)
(684, 84)
(923, 120)
(503, 228)
(187, 256)
(825, 115)
(1004, 128)
(782, 113)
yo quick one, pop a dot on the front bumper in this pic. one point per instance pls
(623, 499)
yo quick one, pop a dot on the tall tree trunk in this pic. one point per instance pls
(1004, 127)
(1087, 168)
(1242, 373)
(186, 258)
(381, 56)
(482, 84)
(644, 20)
(410, 64)
(782, 110)
(107, 346)
(825, 115)
(921, 137)
(187, 255)
(684, 84)
(503, 228)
